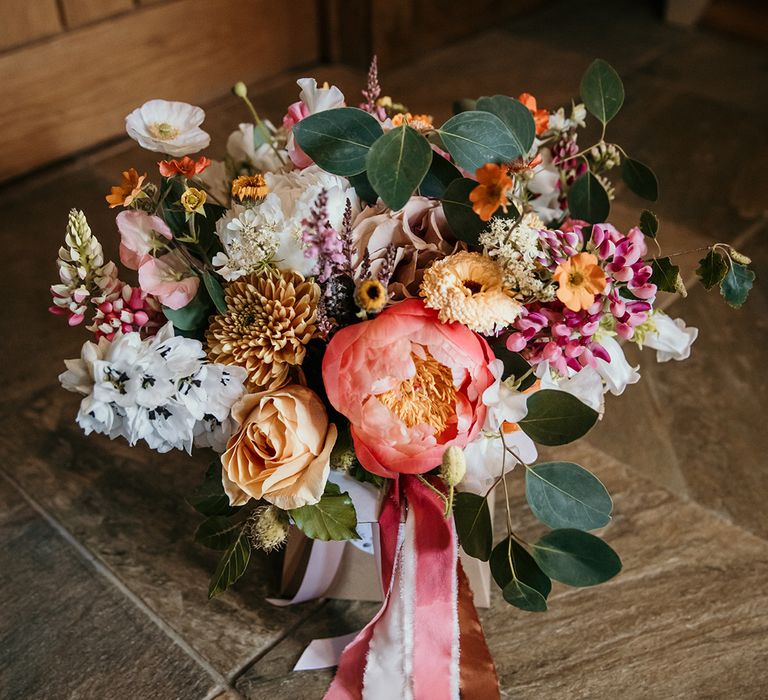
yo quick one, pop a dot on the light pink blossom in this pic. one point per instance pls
(170, 279)
(140, 235)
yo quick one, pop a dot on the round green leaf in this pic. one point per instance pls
(515, 115)
(338, 140)
(441, 173)
(363, 188)
(588, 200)
(563, 494)
(640, 179)
(475, 138)
(473, 524)
(217, 532)
(556, 418)
(523, 584)
(465, 224)
(397, 163)
(576, 558)
(602, 90)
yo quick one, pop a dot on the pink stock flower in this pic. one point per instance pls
(140, 236)
(410, 386)
(170, 279)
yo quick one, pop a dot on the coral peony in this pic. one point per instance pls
(410, 386)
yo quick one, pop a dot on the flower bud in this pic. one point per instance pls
(454, 466)
(740, 257)
(240, 89)
(268, 528)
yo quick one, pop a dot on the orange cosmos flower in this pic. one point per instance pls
(491, 192)
(540, 116)
(186, 166)
(128, 190)
(580, 278)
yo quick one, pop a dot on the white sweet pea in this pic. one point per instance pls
(671, 339)
(586, 385)
(242, 147)
(618, 373)
(319, 99)
(545, 184)
(168, 127)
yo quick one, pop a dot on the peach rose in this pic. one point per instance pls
(410, 386)
(281, 452)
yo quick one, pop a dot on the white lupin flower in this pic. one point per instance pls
(671, 339)
(168, 127)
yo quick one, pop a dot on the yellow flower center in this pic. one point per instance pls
(163, 131)
(428, 397)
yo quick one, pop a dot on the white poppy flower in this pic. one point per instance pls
(168, 127)
(672, 340)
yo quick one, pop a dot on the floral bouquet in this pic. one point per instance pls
(362, 298)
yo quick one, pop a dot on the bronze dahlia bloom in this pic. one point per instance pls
(270, 319)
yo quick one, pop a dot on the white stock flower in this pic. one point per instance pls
(671, 339)
(618, 373)
(168, 127)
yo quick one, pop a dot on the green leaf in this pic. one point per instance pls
(209, 498)
(441, 173)
(338, 140)
(515, 115)
(523, 584)
(666, 276)
(602, 91)
(576, 558)
(193, 315)
(217, 532)
(640, 179)
(588, 200)
(215, 291)
(556, 418)
(333, 518)
(736, 284)
(397, 163)
(473, 524)
(563, 494)
(712, 269)
(515, 365)
(232, 565)
(457, 207)
(363, 188)
(649, 223)
(475, 138)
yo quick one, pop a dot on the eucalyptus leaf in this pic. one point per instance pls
(556, 418)
(441, 173)
(565, 495)
(602, 90)
(209, 498)
(649, 223)
(332, 518)
(397, 163)
(464, 222)
(363, 188)
(475, 138)
(640, 179)
(576, 558)
(588, 200)
(232, 565)
(217, 532)
(515, 365)
(665, 275)
(736, 284)
(473, 524)
(215, 291)
(712, 269)
(338, 140)
(515, 115)
(523, 584)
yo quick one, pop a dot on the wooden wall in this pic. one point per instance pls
(70, 70)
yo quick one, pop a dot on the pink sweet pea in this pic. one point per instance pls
(410, 386)
(170, 279)
(140, 235)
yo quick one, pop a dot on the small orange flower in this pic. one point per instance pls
(186, 166)
(491, 192)
(128, 190)
(580, 278)
(540, 116)
(420, 122)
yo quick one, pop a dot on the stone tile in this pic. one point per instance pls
(687, 617)
(126, 505)
(700, 423)
(67, 633)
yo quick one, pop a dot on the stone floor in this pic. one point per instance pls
(103, 591)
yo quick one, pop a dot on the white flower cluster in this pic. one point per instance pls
(160, 390)
(516, 246)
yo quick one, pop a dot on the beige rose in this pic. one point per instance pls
(281, 452)
(419, 233)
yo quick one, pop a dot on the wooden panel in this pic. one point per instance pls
(25, 20)
(75, 91)
(79, 12)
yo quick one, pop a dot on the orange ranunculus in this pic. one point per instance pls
(491, 192)
(186, 166)
(410, 386)
(128, 190)
(540, 116)
(579, 278)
